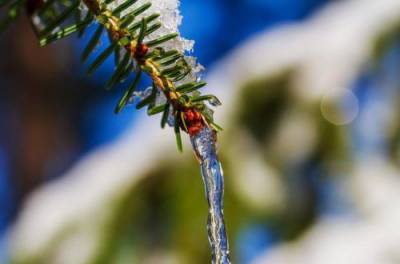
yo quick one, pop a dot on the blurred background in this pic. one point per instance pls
(310, 150)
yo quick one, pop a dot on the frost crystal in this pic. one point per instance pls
(170, 19)
(160, 98)
(140, 94)
(197, 67)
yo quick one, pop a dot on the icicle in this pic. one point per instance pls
(211, 170)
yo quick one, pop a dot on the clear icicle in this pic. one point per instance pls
(211, 170)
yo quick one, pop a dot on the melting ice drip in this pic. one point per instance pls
(213, 178)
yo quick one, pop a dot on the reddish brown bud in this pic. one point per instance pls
(194, 129)
(197, 115)
(141, 51)
(190, 115)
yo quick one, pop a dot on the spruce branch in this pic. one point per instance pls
(133, 51)
(175, 87)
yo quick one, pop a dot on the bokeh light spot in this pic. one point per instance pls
(340, 106)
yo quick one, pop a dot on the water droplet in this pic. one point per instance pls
(214, 101)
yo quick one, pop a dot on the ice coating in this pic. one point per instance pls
(171, 117)
(197, 70)
(170, 19)
(213, 178)
(141, 95)
(160, 98)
